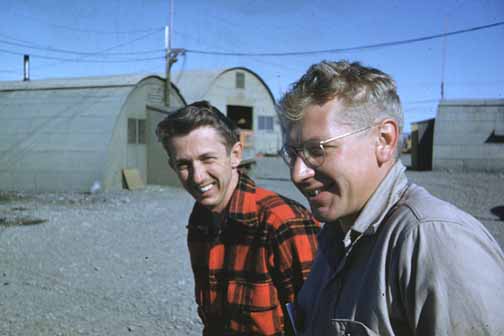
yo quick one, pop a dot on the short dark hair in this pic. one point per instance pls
(198, 114)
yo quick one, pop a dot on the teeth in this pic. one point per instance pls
(206, 188)
(314, 193)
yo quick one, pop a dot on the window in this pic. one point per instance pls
(136, 131)
(240, 80)
(265, 123)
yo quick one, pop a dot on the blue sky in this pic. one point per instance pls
(119, 30)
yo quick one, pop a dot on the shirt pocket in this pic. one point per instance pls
(343, 327)
(256, 306)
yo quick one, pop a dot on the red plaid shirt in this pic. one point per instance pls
(246, 270)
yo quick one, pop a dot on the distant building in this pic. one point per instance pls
(240, 94)
(422, 134)
(469, 135)
(65, 134)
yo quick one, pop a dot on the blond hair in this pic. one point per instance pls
(369, 94)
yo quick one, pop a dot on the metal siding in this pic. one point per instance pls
(64, 131)
(219, 88)
(461, 130)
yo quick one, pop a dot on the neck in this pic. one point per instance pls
(220, 212)
(347, 221)
(218, 217)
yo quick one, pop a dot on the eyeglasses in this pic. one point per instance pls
(312, 152)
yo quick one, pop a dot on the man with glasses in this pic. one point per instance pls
(392, 258)
(251, 249)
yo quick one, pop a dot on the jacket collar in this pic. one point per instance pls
(383, 199)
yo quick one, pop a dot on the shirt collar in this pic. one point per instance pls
(383, 199)
(243, 206)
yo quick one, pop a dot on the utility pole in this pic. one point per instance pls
(171, 54)
(169, 59)
(443, 59)
(168, 33)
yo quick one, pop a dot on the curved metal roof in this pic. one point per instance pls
(60, 127)
(77, 82)
(195, 84)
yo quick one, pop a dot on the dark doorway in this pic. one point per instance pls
(241, 115)
(498, 211)
(422, 143)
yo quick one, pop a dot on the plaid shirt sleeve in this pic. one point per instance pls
(294, 243)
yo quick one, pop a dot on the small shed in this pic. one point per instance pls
(67, 134)
(469, 135)
(243, 96)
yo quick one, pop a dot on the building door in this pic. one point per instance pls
(241, 115)
(137, 148)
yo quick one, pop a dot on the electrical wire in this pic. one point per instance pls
(74, 52)
(81, 60)
(341, 50)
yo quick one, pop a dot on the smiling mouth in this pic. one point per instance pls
(205, 188)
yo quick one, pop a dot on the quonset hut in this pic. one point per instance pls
(65, 134)
(243, 96)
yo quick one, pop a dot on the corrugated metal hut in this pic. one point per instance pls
(243, 96)
(469, 135)
(65, 134)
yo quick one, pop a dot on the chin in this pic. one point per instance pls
(325, 215)
(320, 215)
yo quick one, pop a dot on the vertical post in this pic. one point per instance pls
(168, 34)
(26, 68)
(167, 67)
(443, 59)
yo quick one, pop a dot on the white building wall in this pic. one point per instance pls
(56, 139)
(150, 159)
(460, 132)
(62, 135)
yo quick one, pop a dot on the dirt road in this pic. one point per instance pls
(116, 263)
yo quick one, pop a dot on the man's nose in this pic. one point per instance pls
(198, 173)
(300, 171)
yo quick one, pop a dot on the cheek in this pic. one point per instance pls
(183, 176)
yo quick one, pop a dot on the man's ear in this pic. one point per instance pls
(167, 149)
(236, 154)
(386, 144)
(170, 163)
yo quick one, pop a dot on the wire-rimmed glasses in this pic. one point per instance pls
(312, 152)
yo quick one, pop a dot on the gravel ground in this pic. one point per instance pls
(116, 263)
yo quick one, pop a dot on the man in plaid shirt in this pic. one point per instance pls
(251, 249)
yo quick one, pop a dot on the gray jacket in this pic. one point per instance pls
(410, 265)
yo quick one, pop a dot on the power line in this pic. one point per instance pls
(104, 52)
(75, 52)
(80, 53)
(83, 60)
(341, 50)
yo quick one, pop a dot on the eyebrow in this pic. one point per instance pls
(199, 157)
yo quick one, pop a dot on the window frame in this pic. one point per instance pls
(136, 129)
